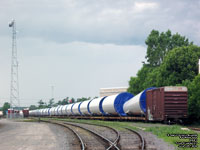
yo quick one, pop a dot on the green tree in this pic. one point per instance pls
(180, 64)
(83, 99)
(158, 44)
(137, 84)
(59, 102)
(94, 97)
(41, 104)
(194, 99)
(153, 78)
(32, 107)
(72, 100)
(50, 103)
(5, 107)
(133, 85)
(65, 101)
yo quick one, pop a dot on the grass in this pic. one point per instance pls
(24, 120)
(160, 130)
(114, 124)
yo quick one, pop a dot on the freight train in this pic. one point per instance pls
(153, 104)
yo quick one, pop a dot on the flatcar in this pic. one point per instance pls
(153, 104)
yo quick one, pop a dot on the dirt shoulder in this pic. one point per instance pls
(32, 136)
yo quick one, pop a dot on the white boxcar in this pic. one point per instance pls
(137, 104)
(76, 108)
(95, 106)
(84, 107)
(69, 109)
(113, 105)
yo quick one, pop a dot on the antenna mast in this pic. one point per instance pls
(14, 86)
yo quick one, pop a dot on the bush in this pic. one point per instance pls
(194, 99)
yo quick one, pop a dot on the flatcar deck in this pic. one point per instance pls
(102, 117)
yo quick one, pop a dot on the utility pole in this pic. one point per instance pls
(14, 86)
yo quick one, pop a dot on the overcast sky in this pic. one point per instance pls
(80, 46)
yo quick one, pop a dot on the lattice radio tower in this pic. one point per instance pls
(14, 86)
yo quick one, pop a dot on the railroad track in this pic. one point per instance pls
(114, 139)
(80, 132)
(142, 141)
(142, 144)
(112, 144)
(108, 143)
(82, 144)
(195, 129)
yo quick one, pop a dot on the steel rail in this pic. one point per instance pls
(82, 144)
(142, 144)
(194, 128)
(116, 141)
(112, 144)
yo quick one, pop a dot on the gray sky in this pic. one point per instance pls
(80, 46)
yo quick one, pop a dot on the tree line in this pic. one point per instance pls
(52, 103)
(171, 61)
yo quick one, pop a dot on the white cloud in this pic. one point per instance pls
(86, 44)
(76, 69)
(144, 6)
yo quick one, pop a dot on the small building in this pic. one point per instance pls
(112, 91)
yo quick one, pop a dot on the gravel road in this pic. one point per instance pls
(34, 136)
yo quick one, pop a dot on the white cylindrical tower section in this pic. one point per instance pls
(50, 111)
(84, 108)
(108, 105)
(45, 111)
(133, 105)
(60, 110)
(96, 106)
(113, 105)
(75, 108)
(137, 104)
(64, 110)
(56, 110)
(69, 112)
